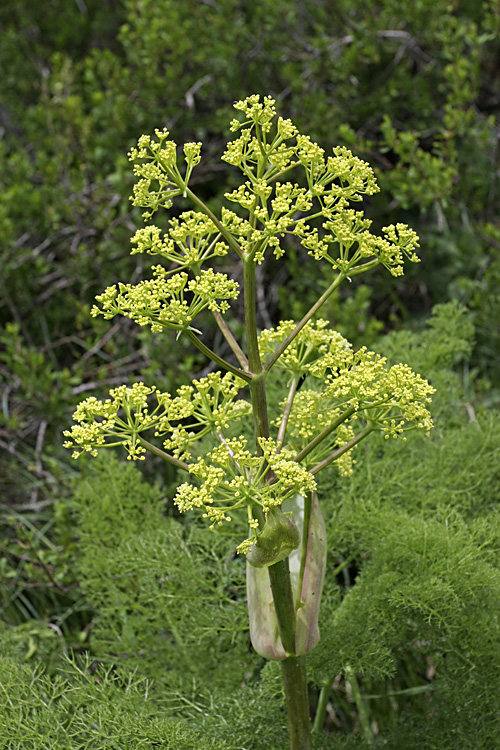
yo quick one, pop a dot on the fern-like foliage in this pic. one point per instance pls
(410, 615)
(170, 601)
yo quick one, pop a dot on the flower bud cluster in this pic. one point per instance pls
(353, 389)
(231, 477)
(315, 339)
(316, 211)
(156, 166)
(163, 302)
(345, 389)
(208, 405)
(191, 240)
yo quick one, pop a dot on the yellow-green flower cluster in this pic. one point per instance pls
(156, 165)
(344, 389)
(289, 473)
(365, 383)
(256, 112)
(163, 302)
(116, 421)
(230, 477)
(268, 147)
(348, 231)
(208, 405)
(315, 208)
(192, 239)
(277, 216)
(213, 404)
(350, 389)
(345, 462)
(313, 342)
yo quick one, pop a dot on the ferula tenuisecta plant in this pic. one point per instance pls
(291, 191)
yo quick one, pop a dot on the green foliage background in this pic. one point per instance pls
(101, 596)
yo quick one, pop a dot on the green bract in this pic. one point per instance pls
(279, 537)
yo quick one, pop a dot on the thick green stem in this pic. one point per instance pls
(293, 668)
(257, 383)
(259, 403)
(294, 675)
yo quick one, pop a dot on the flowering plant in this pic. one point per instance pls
(336, 396)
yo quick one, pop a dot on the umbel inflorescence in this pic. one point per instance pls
(290, 189)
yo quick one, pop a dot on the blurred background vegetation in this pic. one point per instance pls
(414, 89)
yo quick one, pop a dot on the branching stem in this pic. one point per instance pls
(343, 449)
(158, 452)
(235, 347)
(215, 357)
(323, 434)
(222, 229)
(307, 317)
(286, 412)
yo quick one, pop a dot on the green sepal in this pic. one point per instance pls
(279, 537)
